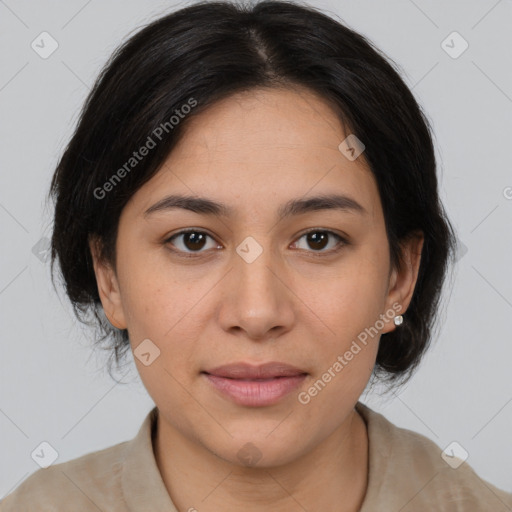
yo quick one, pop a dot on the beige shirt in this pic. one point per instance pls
(406, 474)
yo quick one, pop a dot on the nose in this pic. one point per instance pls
(257, 298)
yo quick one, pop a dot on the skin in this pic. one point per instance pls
(255, 151)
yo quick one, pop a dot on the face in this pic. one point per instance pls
(250, 286)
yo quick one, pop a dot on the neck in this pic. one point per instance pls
(333, 476)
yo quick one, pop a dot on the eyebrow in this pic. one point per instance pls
(206, 206)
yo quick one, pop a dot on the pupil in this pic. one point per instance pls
(313, 239)
(193, 239)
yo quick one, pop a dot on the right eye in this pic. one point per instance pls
(193, 240)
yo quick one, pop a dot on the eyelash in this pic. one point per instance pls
(341, 243)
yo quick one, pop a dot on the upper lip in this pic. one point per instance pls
(261, 371)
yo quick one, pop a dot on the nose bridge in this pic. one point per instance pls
(258, 300)
(254, 271)
(254, 267)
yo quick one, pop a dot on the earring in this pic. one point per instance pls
(399, 319)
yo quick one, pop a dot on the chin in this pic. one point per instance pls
(257, 451)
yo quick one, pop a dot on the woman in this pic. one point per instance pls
(249, 204)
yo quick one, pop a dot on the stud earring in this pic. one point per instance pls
(399, 319)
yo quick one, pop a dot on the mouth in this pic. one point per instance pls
(255, 386)
(248, 371)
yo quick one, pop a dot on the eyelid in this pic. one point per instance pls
(343, 240)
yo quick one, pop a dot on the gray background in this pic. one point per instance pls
(54, 388)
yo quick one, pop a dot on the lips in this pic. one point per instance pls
(255, 385)
(244, 371)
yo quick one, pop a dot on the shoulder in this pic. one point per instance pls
(441, 479)
(88, 483)
(413, 473)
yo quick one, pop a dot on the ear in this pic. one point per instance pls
(108, 287)
(403, 281)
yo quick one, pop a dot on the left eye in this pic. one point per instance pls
(194, 240)
(317, 239)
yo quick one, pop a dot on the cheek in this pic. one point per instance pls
(167, 312)
(353, 297)
(151, 299)
(350, 306)
(166, 317)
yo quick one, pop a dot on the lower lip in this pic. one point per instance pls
(256, 393)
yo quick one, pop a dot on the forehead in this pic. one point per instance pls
(263, 121)
(263, 146)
